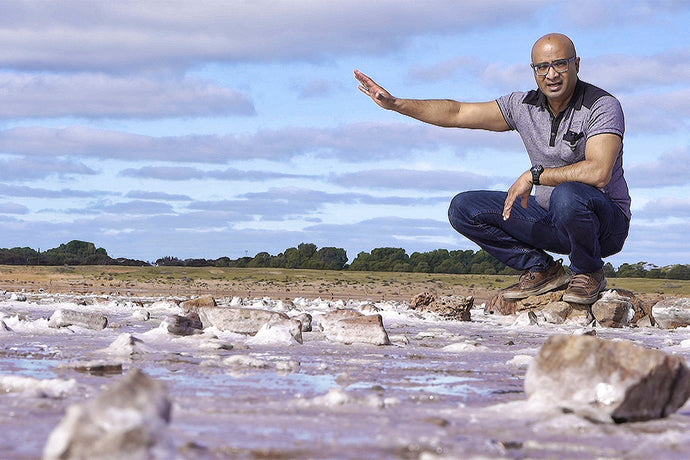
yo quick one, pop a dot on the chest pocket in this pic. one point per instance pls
(572, 144)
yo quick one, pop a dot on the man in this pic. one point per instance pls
(573, 133)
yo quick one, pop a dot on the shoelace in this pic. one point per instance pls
(582, 281)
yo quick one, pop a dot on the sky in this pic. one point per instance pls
(226, 128)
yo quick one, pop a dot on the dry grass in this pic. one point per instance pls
(278, 283)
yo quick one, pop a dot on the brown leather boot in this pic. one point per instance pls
(585, 288)
(535, 283)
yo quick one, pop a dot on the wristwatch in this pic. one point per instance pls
(536, 171)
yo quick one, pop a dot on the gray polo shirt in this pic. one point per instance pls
(554, 141)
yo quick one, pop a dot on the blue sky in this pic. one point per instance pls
(209, 129)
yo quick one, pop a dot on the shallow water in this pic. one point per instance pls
(444, 389)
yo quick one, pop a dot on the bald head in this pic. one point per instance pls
(553, 41)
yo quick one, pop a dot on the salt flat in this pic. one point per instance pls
(442, 389)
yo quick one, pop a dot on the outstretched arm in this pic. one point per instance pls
(440, 112)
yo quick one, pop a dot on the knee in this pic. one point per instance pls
(567, 200)
(459, 207)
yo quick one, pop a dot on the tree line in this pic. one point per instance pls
(308, 256)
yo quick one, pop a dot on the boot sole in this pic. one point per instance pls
(552, 285)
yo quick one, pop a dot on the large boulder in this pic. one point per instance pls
(607, 380)
(238, 320)
(672, 313)
(449, 307)
(613, 310)
(350, 326)
(128, 420)
(64, 317)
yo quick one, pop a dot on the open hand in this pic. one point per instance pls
(376, 92)
(520, 189)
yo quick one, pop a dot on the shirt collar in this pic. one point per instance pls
(537, 98)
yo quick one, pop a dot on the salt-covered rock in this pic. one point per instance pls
(348, 326)
(141, 315)
(278, 332)
(65, 317)
(125, 345)
(128, 420)
(305, 319)
(245, 361)
(18, 297)
(42, 388)
(607, 380)
(557, 312)
(613, 310)
(672, 313)
(189, 324)
(238, 320)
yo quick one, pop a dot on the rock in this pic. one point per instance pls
(305, 319)
(537, 302)
(64, 318)
(18, 297)
(278, 332)
(613, 310)
(97, 367)
(141, 315)
(557, 312)
(127, 420)
(4, 327)
(421, 300)
(672, 313)
(607, 380)
(451, 307)
(189, 324)
(126, 345)
(203, 301)
(580, 314)
(641, 307)
(497, 304)
(349, 326)
(238, 320)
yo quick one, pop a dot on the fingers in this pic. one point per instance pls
(366, 83)
(507, 207)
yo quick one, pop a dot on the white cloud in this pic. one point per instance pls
(669, 169)
(36, 192)
(349, 143)
(416, 180)
(665, 209)
(30, 95)
(22, 169)
(13, 208)
(122, 36)
(182, 173)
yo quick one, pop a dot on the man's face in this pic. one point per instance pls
(558, 87)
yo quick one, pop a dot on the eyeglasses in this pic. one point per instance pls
(559, 65)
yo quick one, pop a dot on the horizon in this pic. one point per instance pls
(212, 130)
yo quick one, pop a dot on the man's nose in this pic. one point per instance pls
(551, 72)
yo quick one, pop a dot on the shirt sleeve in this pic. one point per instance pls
(606, 117)
(508, 104)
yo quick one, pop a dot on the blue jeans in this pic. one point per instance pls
(582, 222)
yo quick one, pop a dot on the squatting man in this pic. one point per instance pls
(573, 134)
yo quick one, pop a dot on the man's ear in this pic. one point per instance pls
(577, 65)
